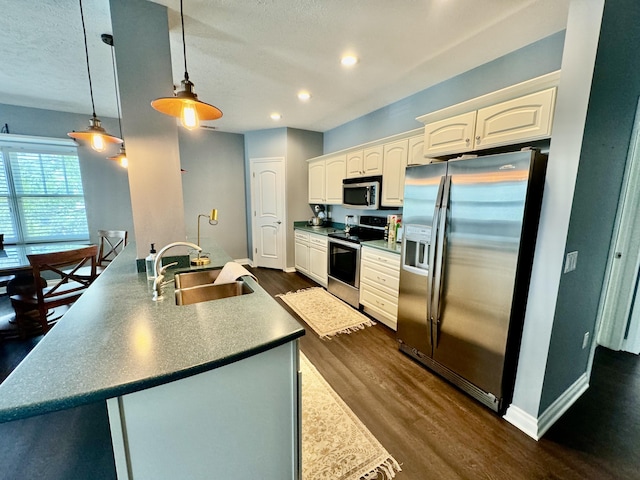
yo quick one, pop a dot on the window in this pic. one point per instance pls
(41, 196)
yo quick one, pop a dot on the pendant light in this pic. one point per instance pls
(95, 134)
(185, 104)
(121, 157)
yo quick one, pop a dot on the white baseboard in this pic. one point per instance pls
(290, 270)
(537, 427)
(244, 261)
(522, 420)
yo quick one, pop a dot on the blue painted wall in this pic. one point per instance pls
(105, 183)
(529, 62)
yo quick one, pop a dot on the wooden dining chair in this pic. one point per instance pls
(111, 243)
(56, 284)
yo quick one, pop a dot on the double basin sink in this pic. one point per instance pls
(196, 287)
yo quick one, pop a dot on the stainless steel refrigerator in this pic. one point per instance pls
(469, 237)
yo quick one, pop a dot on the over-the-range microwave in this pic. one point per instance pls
(362, 192)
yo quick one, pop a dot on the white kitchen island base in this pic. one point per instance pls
(241, 420)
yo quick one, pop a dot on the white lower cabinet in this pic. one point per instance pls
(379, 283)
(302, 251)
(311, 255)
(318, 258)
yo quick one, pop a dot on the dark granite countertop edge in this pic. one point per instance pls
(17, 402)
(103, 394)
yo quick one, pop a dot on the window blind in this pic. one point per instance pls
(41, 196)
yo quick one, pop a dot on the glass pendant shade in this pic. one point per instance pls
(95, 135)
(186, 106)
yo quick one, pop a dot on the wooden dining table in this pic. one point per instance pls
(15, 263)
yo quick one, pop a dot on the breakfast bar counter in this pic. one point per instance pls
(162, 367)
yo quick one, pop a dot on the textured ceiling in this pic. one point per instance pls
(251, 57)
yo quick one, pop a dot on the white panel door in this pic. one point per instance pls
(267, 202)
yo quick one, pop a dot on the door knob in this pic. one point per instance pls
(278, 222)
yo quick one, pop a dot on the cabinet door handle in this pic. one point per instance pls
(478, 139)
(467, 140)
(380, 303)
(381, 279)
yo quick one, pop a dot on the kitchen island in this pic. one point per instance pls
(191, 390)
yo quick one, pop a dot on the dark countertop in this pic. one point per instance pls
(115, 340)
(384, 245)
(339, 227)
(323, 230)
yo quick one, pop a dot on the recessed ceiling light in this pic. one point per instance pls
(304, 95)
(276, 116)
(349, 60)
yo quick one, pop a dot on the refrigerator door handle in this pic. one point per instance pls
(432, 254)
(439, 267)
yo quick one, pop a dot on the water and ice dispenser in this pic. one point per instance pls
(417, 242)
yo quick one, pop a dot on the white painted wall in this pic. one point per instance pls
(580, 47)
(143, 59)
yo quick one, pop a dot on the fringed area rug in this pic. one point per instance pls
(335, 443)
(324, 313)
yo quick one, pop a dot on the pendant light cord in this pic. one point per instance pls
(115, 83)
(86, 52)
(184, 45)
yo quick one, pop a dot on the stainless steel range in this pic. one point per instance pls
(344, 257)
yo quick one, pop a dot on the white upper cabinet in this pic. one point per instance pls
(450, 135)
(334, 174)
(395, 163)
(416, 151)
(522, 119)
(317, 181)
(372, 160)
(364, 163)
(514, 121)
(355, 164)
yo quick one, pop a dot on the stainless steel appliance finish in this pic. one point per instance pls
(343, 278)
(362, 193)
(344, 257)
(470, 229)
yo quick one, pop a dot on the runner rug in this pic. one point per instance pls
(335, 443)
(324, 313)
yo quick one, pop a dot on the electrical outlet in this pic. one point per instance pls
(571, 262)
(329, 214)
(585, 340)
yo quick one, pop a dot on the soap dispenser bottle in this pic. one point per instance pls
(150, 263)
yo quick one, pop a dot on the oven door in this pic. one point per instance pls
(344, 270)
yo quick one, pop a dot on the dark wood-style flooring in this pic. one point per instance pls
(433, 429)
(437, 432)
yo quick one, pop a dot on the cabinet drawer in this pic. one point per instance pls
(377, 299)
(380, 276)
(392, 260)
(318, 241)
(302, 236)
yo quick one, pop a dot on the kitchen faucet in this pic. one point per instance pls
(161, 270)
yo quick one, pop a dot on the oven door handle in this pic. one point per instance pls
(354, 246)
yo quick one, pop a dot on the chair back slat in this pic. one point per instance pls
(66, 282)
(111, 244)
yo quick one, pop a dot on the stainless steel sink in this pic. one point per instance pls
(208, 292)
(193, 279)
